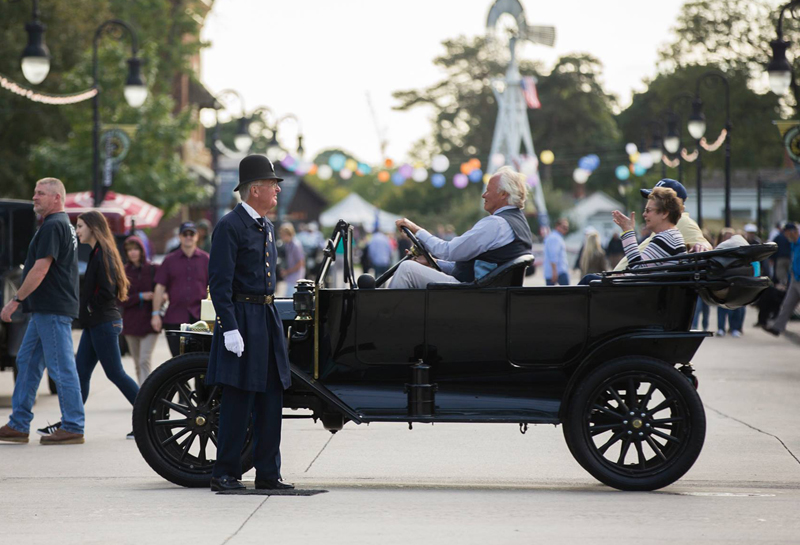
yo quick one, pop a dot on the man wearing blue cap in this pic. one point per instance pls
(689, 229)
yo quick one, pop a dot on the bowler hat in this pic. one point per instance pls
(674, 185)
(255, 167)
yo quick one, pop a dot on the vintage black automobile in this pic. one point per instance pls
(17, 226)
(610, 361)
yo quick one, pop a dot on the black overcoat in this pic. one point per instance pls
(243, 262)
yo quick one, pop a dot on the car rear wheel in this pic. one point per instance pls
(175, 422)
(635, 423)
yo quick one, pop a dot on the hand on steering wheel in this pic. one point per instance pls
(420, 247)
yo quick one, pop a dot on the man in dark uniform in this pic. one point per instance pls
(248, 352)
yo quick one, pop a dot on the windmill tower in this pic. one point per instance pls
(512, 130)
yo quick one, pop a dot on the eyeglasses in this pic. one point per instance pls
(188, 234)
(268, 185)
(648, 210)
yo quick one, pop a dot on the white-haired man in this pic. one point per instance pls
(496, 239)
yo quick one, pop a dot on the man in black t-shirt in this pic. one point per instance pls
(49, 291)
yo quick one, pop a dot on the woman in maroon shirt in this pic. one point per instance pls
(136, 311)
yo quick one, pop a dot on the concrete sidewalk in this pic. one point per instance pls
(455, 483)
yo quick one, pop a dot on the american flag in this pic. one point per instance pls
(529, 90)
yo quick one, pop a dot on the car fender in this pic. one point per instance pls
(674, 348)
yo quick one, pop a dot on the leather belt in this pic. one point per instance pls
(253, 299)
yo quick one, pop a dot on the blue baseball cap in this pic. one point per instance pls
(674, 185)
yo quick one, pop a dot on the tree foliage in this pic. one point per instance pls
(56, 140)
(732, 35)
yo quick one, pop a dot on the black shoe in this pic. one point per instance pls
(49, 429)
(225, 483)
(276, 484)
(772, 330)
(130, 435)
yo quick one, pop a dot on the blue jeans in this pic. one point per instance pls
(563, 280)
(100, 343)
(47, 342)
(735, 318)
(702, 308)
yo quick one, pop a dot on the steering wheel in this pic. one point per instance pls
(418, 249)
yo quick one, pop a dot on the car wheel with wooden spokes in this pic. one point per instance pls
(176, 419)
(635, 423)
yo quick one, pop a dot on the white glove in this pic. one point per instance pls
(234, 342)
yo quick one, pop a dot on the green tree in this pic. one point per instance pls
(754, 139)
(733, 35)
(59, 143)
(576, 119)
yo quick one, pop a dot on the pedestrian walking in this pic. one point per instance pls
(183, 277)
(593, 257)
(556, 268)
(104, 283)
(249, 359)
(734, 318)
(49, 291)
(379, 251)
(614, 251)
(792, 297)
(782, 258)
(137, 309)
(294, 261)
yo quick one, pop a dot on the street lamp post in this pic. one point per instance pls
(674, 138)
(779, 69)
(697, 128)
(135, 95)
(35, 62)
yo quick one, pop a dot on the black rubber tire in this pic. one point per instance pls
(600, 429)
(189, 468)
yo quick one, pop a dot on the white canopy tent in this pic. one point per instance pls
(355, 210)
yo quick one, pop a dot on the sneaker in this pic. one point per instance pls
(736, 333)
(48, 429)
(62, 437)
(720, 333)
(11, 435)
(130, 435)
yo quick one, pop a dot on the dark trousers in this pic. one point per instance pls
(236, 409)
(100, 343)
(701, 308)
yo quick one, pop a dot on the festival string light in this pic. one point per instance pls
(43, 98)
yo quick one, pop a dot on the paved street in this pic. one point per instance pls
(435, 484)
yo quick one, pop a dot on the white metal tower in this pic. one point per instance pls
(512, 130)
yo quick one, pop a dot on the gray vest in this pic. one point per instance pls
(464, 271)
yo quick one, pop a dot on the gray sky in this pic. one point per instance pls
(317, 59)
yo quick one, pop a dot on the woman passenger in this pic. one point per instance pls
(661, 214)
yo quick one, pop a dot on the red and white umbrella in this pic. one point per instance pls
(134, 209)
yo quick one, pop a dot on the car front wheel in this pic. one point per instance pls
(176, 420)
(635, 423)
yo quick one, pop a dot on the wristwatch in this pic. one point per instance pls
(16, 298)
